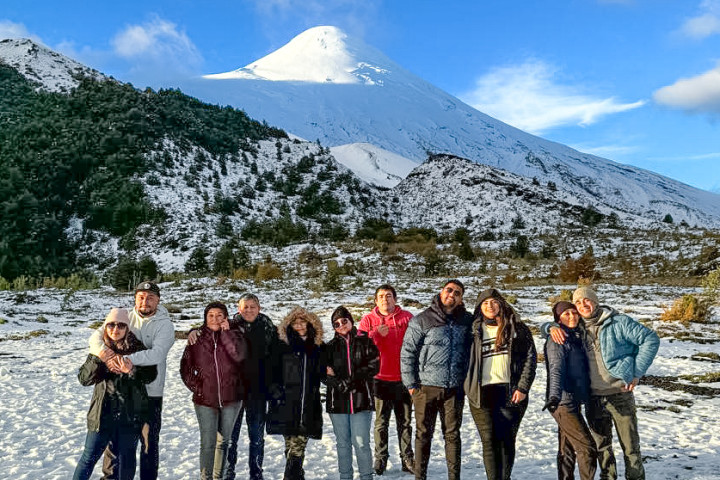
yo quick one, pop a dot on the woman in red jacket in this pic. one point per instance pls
(212, 370)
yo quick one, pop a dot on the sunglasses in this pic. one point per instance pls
(111, 325)
(340, 322)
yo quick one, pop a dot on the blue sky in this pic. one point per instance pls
(636, 81)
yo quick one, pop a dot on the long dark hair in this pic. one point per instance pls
(506, 317)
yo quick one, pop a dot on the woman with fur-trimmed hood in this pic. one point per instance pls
(298, 367)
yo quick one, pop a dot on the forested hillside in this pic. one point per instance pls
(77, 156)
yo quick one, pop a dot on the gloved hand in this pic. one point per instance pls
(552, 404)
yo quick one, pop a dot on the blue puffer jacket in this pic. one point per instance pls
(435, 348)
(568, 378)
(628, 347)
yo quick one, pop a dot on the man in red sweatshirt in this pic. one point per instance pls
(386, 325)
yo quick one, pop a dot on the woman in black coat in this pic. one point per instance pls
(568, 387)
(298, 367)
(119, 406)
(352, 362)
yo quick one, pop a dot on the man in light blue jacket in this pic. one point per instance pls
(619, 350)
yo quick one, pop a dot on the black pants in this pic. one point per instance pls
(392, 397)
(574, 441)
(498, 421)
(430, 401)
(149, 454)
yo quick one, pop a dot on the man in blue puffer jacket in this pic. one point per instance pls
(620, 351)
(434, 359)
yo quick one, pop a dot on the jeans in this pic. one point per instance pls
(430, 401)
(392, 397)
(352, 430)
(498, 422)
(216, 426)
(255, 409)
(602, 412)
(574, 440)
(124, 440)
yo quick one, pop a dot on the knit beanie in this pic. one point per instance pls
(341, 312)
(117, 315)
(489, 293)
(560, 307)
(585, 292)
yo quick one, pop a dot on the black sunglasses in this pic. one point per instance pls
(121, 326)
(340, 322)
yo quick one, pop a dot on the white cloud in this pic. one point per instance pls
(158, 43)
(10, 29)
(696, 94)
(706, 23)
(526, 96)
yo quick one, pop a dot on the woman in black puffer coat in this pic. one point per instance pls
(352, 362)
(298, 367)
(568, 388)
(119, 406)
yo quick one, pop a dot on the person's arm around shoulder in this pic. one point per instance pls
(162, 342)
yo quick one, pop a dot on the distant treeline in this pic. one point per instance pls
(65, 156)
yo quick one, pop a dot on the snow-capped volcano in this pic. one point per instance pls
(318, 55)
(325, 85)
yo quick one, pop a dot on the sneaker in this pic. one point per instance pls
(379, 467)
(408, 465)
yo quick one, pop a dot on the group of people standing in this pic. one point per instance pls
(391, 362)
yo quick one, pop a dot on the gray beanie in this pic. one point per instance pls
(585, 292)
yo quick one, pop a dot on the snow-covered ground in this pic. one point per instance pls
(43, 407)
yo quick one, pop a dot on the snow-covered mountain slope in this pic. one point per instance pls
(324, 85)
(39, 64)
(373, 164)
(448, 192)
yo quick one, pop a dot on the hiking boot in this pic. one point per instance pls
(408, 465)
(380, 466)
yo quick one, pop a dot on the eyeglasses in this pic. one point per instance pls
(340, 322)
(111, 325)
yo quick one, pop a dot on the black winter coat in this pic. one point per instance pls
(298, 367)
(568, 377)
(118, 398)
(260, 335)
(350, 389)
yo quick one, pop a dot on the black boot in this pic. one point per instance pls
(379, 466)
(408, 465)
(294, 468)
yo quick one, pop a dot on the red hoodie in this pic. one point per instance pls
(389, 345)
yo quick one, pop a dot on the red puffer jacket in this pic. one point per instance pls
(213, 368)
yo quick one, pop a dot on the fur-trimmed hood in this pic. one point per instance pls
(311, 318)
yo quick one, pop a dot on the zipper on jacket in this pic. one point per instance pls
(302, 395)
(349, 363)
(217, 369)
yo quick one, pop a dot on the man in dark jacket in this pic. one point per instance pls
(260, 333)
(434, 360)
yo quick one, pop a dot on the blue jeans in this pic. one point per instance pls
(216, 426)
(353, 431)
(255, 409)
(124, 440)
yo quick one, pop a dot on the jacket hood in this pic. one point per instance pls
(311, 318)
